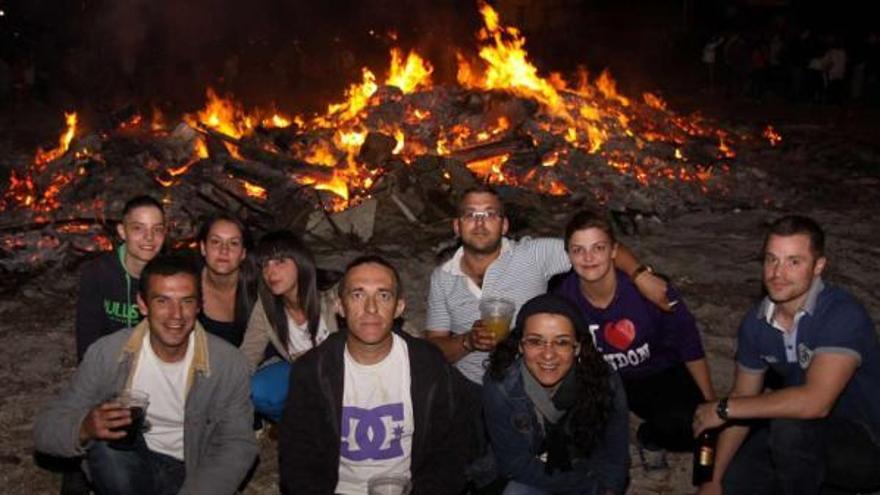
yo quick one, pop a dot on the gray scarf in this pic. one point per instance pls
(540, 396)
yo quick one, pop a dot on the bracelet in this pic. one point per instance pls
(640, 270)
(721, 409)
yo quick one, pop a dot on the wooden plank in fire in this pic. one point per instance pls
(288, 164)
(507, 145)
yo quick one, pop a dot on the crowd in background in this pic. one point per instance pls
(795, 62)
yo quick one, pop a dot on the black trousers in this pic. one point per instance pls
(805, 457)
(666, 402)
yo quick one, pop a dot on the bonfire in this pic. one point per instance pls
(401, 138)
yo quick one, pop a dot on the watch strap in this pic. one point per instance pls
(721, 409)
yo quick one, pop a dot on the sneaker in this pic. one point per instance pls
(653, 458)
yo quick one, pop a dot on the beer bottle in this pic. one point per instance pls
(704, 457)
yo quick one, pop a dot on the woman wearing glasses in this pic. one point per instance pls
(658, 354)
(555, 412)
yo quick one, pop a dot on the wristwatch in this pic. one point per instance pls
(640, 270)
(721, 409)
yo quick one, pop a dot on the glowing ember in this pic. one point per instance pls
(725, 150)
(254, 190)
(550, 159)
(278, 121)
(771, 135)
(654, 101)
(490, 168)
(21, 190)
(400, 137)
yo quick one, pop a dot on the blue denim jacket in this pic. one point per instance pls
(517, 437)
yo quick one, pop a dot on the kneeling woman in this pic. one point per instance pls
(289, 318)
(659, 355)
(556, 413)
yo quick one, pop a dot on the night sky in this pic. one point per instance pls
(303, 53)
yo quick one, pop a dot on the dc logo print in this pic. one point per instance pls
(370, 433)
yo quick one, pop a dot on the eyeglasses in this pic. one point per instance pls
(487, 216)
(561, 344)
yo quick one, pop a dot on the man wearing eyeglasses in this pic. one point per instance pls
(488, 264)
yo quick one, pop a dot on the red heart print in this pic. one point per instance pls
(620, 334)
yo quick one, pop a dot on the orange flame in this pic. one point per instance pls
(254, 190)
(654, 101)
(357, 98)
(409, 75)
(591, 116)
(508, 66)
(44, 157)
(222, 114)
(490, 168)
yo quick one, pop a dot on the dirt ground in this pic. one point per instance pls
(711, 256)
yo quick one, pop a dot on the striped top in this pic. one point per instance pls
(519, 273)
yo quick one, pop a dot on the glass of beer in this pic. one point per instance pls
(496, 313)
(135, 401)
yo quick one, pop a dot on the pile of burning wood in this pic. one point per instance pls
(404, 143)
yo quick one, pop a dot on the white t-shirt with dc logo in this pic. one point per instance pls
(377, 420)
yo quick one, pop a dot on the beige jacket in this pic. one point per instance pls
(260, 333)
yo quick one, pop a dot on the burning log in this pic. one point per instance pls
(267, 158)
(509, 145)
(377, 149)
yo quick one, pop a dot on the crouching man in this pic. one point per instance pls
(820, 431)
(197, 435)
(370, 402)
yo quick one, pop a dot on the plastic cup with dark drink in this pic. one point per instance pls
(135, 401)
(389, 485)
(496, 313)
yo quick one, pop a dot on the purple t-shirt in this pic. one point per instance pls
(635, 336)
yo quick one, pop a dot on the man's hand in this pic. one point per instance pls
(705, 417)
(654, 288)
(105, 422)
(480, 337)
(710, 488)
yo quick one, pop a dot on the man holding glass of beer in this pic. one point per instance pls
(163, 407)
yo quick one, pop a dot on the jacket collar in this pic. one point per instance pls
(767, 307)
(200, 363)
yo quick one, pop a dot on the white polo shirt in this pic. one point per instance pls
(520, 273)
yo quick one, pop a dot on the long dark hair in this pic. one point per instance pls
(279, 245)
(246, 287)
(592, 408)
